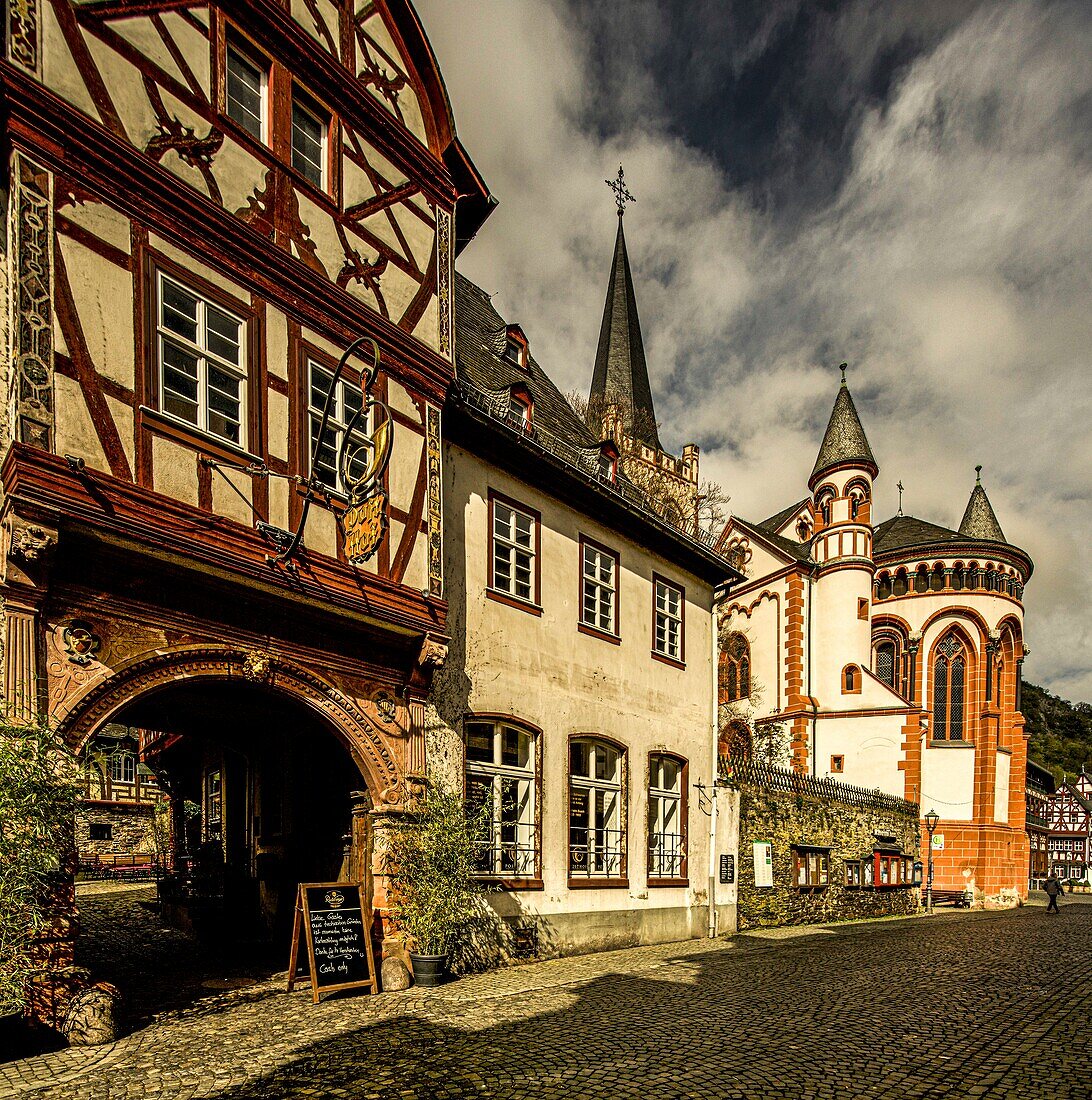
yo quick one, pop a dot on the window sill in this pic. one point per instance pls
(667, 883)
(598, 883)
(946, 744)
(183, 432)
(513, 601)
(511, 885)
(602, 635)
(663, 658)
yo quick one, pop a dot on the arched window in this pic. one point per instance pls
(122, 767)
(851, 680)
(921, 579)
(736, 742)
(736, 669)
(824, 502)
(502, 768)
(957, 577)
(597, 837)
(936, 580)
(901, 586)
(883, 586)
(884, 664)
(950, 676)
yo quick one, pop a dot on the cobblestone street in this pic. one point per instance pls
(988, 1005)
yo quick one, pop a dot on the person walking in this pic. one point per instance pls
(1053, 888)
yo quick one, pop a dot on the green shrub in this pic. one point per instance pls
(431, 862)
(38, 792)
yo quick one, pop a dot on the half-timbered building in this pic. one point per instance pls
(1069, 845)
(1038, 789)
(220, 528)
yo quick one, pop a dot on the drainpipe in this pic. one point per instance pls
(715, 765)
(811, 698)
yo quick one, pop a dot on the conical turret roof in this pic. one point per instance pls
(621, 374)
(979, 520)
(845, 442)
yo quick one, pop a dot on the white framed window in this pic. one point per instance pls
(596, 811)
(519, 412)
(667, 624)
(247, 93)
(514, 550)
(201, 360)
(347, 402)
(501, 775)
(598, 588)
(122, 767)
(666, 817)
(310, 137)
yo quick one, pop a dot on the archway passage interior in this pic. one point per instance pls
(260, 801)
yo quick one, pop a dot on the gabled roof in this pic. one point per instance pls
(621, 374)
(775, 523)
(1071, 788)
(909, 532)
(845, 441)
(979, 520)
(794, 551)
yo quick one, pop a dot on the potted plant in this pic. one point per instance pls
(432, 859)
(38, 791)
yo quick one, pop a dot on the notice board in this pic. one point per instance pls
(763, 854)
(336, 920)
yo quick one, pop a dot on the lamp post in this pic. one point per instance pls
(931, 819)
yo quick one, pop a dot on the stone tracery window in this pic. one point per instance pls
(950, 676)
(736, 668)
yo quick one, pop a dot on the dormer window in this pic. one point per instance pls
(608, 462)
(515, 346)
(520, 409)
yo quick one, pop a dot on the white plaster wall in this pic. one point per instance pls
(839, 637)
(947, 781)
(871, 746)
(1001, 787)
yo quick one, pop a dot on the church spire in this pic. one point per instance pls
(979, 520)
(621, 374)
(844, 443)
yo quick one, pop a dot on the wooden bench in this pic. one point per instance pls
(122, 865)
(958, 898)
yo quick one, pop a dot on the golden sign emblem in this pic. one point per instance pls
(335, 899)
(364, 525)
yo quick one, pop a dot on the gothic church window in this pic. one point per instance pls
(885, 663)
(736, 668)
(950, 668)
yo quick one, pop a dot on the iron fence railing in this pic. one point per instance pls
(753, 773)
(595, 853)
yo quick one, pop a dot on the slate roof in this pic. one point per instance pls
(979, 520)
(908, 532)
(620, 372)
(796, 551)
(774, 523)
(845, 440)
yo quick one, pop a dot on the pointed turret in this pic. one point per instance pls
(844, 443)
(979, 520)
(621, 375)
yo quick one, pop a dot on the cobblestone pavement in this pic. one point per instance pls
(991, 1005)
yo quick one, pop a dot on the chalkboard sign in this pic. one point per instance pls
(337, 921)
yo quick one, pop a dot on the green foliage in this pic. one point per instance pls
(431, 862)
(1061, 731)
(38, 792)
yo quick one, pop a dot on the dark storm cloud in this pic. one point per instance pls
(905, 186)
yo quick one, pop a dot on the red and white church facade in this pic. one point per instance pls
(889, 654)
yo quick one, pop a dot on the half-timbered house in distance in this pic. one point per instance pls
(213, 533)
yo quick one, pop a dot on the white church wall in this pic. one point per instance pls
(1001, 787)
(947, 781)
(870, 747)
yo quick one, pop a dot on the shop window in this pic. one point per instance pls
(201, 361)
(502, 767)
(513, 551)
(596, 816)
(810, 867)
(667, 620)
(247, 92)
(666, 818)
(598, 588)
(345, 415)
(100, 830)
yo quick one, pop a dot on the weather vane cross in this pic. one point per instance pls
(621, 191)
(899, 487)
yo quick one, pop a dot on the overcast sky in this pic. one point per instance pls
(902, 185)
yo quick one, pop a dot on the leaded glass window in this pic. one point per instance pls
(736, 668)
(949, 690)
(885, 663)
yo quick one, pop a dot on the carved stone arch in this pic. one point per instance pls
(104, 700)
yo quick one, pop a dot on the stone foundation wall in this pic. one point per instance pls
(849, 832)
(130, 828)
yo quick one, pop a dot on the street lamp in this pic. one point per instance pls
(931, 819)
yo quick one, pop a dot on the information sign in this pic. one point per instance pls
(763, 856)
(336, 920)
